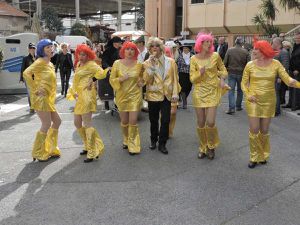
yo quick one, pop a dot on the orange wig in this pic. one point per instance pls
(127, 45)
(85, 49)
(264, 47)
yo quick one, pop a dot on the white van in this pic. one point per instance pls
(73, 41)
(14, 48)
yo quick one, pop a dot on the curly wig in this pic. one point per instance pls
(264, 47)
(85, 49)
(155, 40)
(127, 45)
(201, 37)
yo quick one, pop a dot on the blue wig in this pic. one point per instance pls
(41, 45)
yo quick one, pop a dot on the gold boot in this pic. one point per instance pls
(172, 124)
(51, 143)
(125, 135)
(203, 142)
(213, 141)
(134, 143)
(39, 151)
(95, 146)
(255, 149)
(82, 134)
(265, 144)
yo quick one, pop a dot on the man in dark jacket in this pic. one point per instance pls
(295, 71)
(283, 58)
(27, 61)
(235, 61)
(110, 55)
(65, 64)
(222, 47)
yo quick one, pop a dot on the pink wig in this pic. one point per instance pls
(201, 37)
(127, 45)
(168, 52)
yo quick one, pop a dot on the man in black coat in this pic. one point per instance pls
(295, 71)
(110, 55)
(65, 64)
(27, 61)
(222, 47)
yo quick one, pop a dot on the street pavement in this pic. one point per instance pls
(150, 188)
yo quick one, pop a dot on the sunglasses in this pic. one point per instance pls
(155, 46)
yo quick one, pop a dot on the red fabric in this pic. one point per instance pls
(129, 45)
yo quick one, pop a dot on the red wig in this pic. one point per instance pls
(127, 45)
(201, 37)
(264, 47)
(85, 49)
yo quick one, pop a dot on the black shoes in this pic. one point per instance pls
(162, 148)
(125, 146)
(286, 106)
(252, 165)
(201, 155)
(152, 145)
(87, 160)
(239, 109)
(83, 152)
(230, 112)
(211, 154)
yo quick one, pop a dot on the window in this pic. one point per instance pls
(197, 1)
(13, 41)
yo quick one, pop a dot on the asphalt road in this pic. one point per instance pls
(150, 188)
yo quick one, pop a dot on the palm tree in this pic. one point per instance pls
(266, 17)
(290, 4)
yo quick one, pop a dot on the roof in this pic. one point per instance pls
(8, 10)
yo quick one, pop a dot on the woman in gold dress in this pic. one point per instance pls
(207, 74)
(127, 80)
(84, 91)
(42, 96)
(258, 85)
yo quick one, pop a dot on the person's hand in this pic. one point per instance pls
(295, 72)
(292, 83)
(222, 83)
(202, 70)
(174, 98)
(89, 85)
(140, 83)
(21, 81)
(278, 81)
(153, 59)
(109, 68)
(41, 93)
(124, 77)
(252, 99)
(76, 96)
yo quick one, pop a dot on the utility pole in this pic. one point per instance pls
(39, 8)
(119, 15)
(77, 11)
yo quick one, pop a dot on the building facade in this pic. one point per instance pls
(221, 17)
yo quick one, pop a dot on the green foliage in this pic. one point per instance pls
(51, 20)
(264, 20)
(78, 29)
(290, 4)
(141, 15)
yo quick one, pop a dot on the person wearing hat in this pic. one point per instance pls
(110, 55)
(27, 61)
(258, 85)
(236, 58)
(42, 95)
(183, 63)
(140, 43)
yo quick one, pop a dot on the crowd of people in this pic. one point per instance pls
(163, 75)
